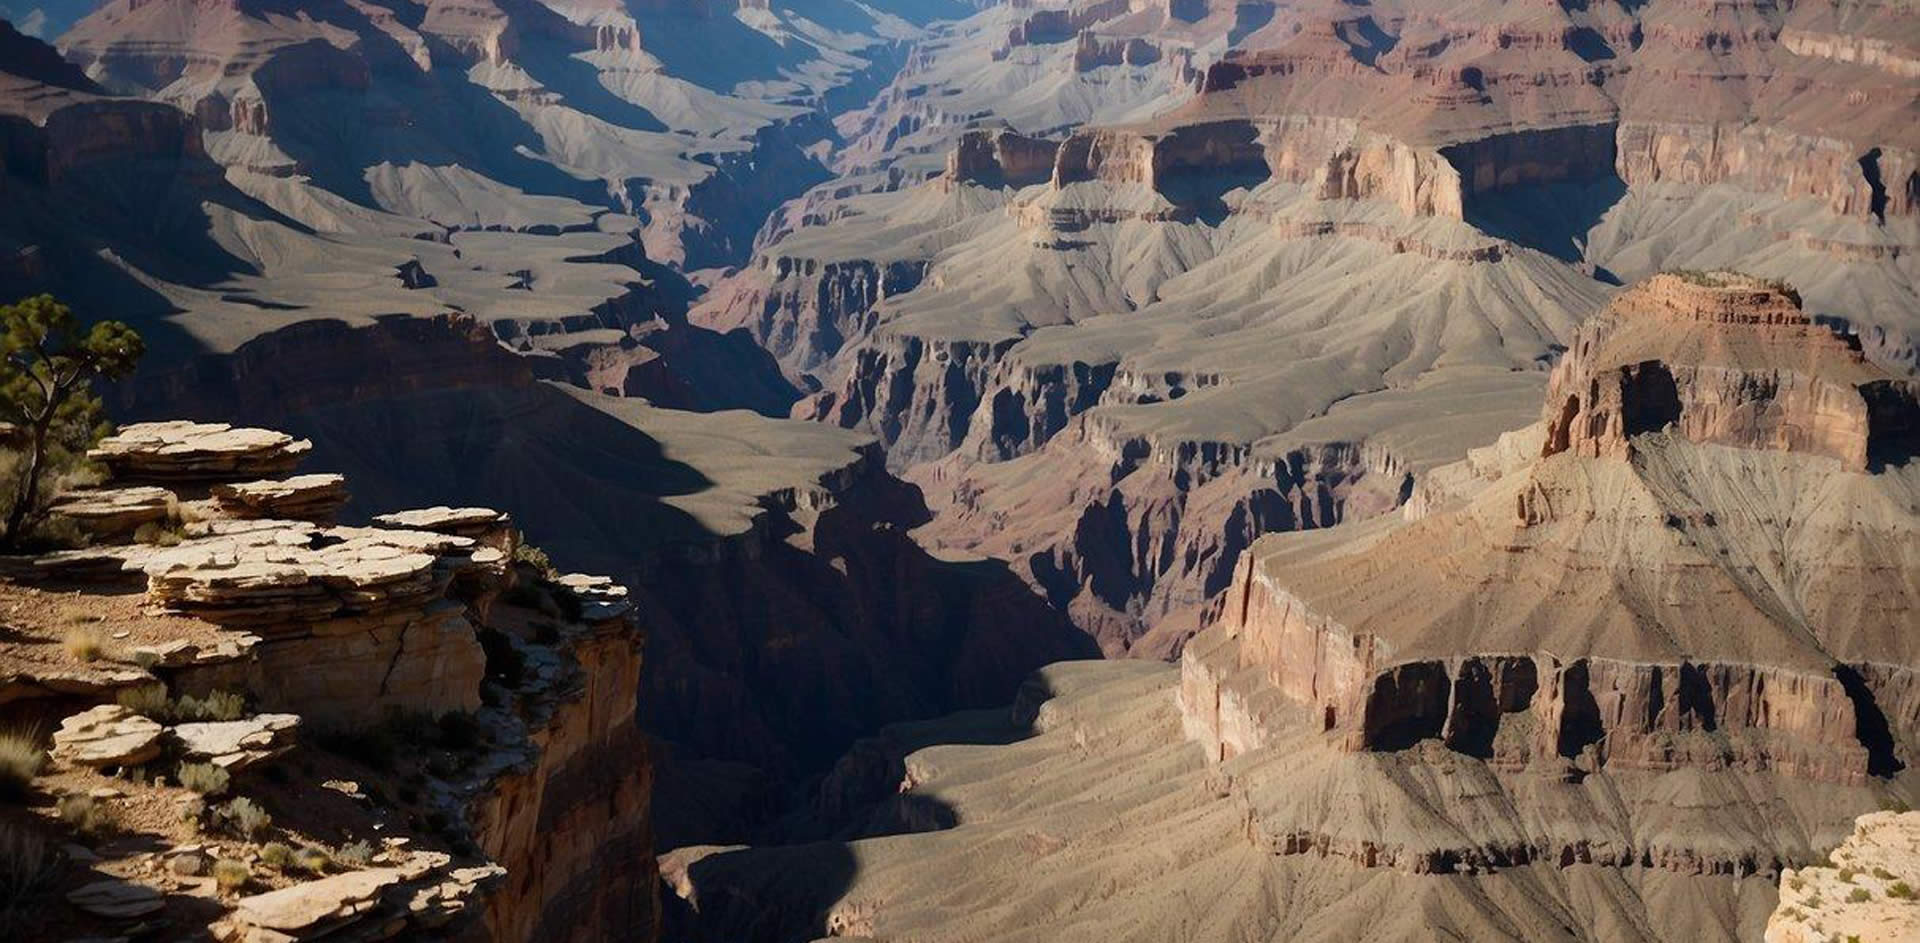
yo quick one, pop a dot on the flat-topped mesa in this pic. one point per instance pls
(1730, 360)
(1557, 608)
(999, 157)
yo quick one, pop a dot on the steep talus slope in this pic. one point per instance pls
(1609, 679)
(1356, 211)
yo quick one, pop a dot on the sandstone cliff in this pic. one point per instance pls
(519, 809)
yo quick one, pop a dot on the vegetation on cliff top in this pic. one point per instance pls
(48, 363)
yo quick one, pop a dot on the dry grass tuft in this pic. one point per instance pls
(21, 759)
(85, 643)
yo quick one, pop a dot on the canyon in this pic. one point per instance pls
(1481, 437)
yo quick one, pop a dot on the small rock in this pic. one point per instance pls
(190, 864)
(105, 792)
(116, 899)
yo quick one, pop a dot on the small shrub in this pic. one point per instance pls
(147, 700)
(87, 815)
(1882, 873)
(245, 818)
(21, 759)
(1796, 882)
(217, 705)
(144, 659)
(532, 556)
(167, 533)
(205, 778)
(276, 855)
(1846, 875)
(312, 859)
(28, 866)
(1901, 890)
(85, 643)
(355, 855)
(231, 874)
(1860, 895)
(194, 813)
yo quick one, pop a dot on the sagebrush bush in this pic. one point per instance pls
(312, 859)
(168, 533)
(147, 700)
(87, 815)
(355, 854)
(276, 855)
(1860, 895)
(151, 700)
(245, 818)
(534, 557)
(21, 759)
(1901, 890)
(231, 874)
(204, 778)
(217, 705)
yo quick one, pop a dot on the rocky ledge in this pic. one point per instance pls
(409, 684)
(1868, 894)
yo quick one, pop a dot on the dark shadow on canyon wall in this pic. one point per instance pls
(770, 651)
(1553, 218)
(787, 889)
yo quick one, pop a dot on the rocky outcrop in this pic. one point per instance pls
(1682, 375)
(1001, 158)
(1867, 894)
(572, 825)
(1728, 360)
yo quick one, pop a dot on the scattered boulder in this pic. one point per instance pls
(238, 744)
(108, 735)
(115, 899)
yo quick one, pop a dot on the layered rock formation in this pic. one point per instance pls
(1571, 692)
(1692, 651)
(348, 634)
(1358, 202)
